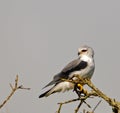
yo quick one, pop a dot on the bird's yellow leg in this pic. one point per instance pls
(80, 87)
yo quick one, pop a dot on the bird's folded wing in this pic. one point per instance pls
(75, 65)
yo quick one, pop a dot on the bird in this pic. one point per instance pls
(84, 66)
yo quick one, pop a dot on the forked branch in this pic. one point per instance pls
(94, 93)
(14, 88)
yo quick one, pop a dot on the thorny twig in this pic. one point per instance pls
(96, 106)
(16, 87)
(81, 99)
(96, 92)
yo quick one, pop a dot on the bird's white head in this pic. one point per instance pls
(85, 51)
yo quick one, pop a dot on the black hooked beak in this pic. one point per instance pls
(78, 53)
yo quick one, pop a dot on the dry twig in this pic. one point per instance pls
(96, 92)
(81, 99)
(16, 87)
(112, 102)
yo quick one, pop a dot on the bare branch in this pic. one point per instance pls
(96, 106)
(81, 99)
(16, 87)
(109, 100)
(95, 92)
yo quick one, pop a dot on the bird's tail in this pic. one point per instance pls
(44, 94)
(47, 93)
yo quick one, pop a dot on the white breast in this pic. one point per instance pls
(86, 58)
(88, 71)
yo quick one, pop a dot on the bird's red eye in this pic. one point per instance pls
(84, 50)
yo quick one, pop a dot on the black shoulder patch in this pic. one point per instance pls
(80, 66)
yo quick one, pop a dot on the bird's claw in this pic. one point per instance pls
(80, 90)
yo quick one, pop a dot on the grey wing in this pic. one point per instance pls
(76, 65)
(63, 73)
(68, 68)
(56, 79)
(73, 64)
